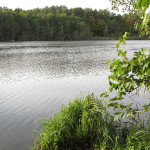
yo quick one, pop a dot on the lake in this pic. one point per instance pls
(36, 78)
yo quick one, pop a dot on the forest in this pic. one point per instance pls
(61, 23)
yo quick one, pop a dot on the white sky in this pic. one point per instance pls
(30, 4)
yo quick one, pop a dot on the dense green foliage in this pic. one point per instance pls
(137, 6)
(61, 23)
(85, 123)
(129, 76)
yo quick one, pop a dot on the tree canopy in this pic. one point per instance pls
(61, 23)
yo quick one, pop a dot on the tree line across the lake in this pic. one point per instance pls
(61, 23)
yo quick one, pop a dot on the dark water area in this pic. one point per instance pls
(36, 78)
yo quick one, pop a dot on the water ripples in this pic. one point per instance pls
(36, 78)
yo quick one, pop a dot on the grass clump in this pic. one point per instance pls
(133, 138)
(86, 124)
(83, 123)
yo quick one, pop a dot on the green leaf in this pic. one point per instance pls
(129, 114)
(113, 104)
(117, 46)
(123, 116)
(108, 61)
(113, 99)
(120, 40)
(104, 95)
(130, 105)
(133, 84)
(116, 117)
(125, 35)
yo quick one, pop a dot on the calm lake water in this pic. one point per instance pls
(36, 78)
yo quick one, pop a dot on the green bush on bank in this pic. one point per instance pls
(86, 124)
(83, 123)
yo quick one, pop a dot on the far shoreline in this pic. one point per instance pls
(91, 39)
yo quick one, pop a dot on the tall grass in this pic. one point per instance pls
(86, 124)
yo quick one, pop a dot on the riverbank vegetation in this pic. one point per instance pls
(87, 124)
(61, 23)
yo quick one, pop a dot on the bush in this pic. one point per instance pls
(83, 123)
(86, 124)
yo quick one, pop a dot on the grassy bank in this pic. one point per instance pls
(86, 124)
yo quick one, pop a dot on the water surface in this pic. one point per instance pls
(36, 78)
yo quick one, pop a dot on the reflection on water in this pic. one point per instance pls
(52, 61)
(36, 78)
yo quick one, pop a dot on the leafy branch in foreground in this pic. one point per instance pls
(128, 77)
(138, 7)
(131, 5)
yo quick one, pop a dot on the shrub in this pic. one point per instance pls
(83, 123)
